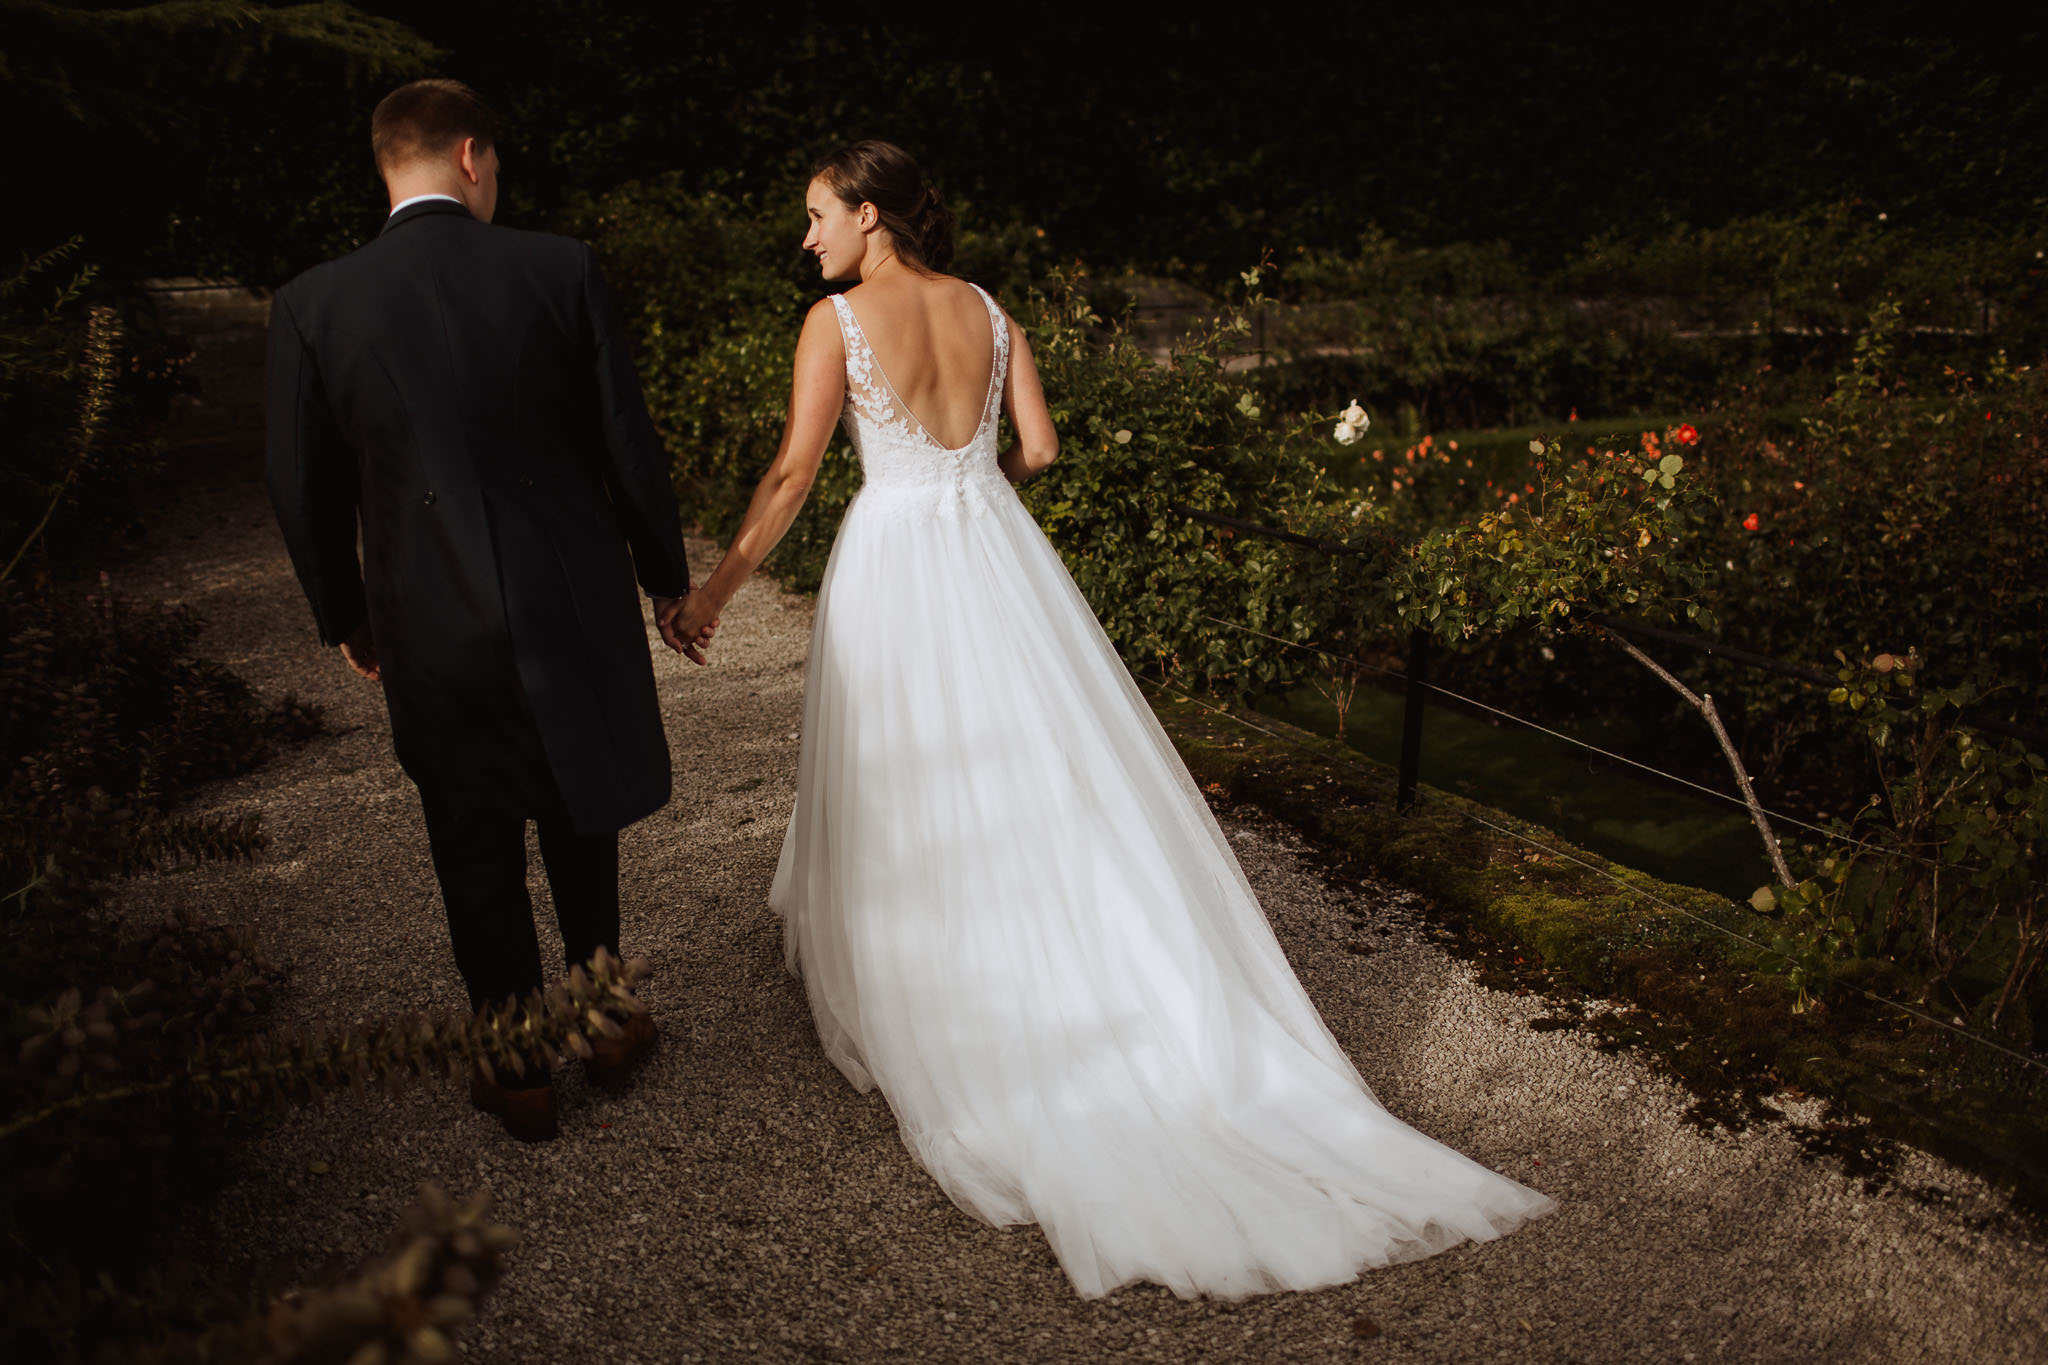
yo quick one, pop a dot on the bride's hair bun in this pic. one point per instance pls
(883, 174)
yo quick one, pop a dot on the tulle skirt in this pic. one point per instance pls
(1014, 913)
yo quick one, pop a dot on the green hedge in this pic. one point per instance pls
(717, 295)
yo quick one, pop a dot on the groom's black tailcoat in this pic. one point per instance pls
(465, 391)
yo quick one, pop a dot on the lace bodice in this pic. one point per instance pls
(905, 468)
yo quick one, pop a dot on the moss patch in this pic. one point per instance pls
(1698, 993)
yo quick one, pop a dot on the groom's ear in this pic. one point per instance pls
(472, 160)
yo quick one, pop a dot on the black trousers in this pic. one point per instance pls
(479, 850)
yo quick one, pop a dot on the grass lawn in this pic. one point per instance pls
(1619, 813)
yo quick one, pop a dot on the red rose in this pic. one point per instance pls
(1750, 522)
(1686, 435)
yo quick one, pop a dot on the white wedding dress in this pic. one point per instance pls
(1014, 913)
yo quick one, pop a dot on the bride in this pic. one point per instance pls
(1011, 908)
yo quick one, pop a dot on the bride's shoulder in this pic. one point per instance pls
(970, 290)
(963, 295)
(821, 325)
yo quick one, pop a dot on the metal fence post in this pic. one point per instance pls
(1411, 720)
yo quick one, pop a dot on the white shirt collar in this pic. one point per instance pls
(404, 204)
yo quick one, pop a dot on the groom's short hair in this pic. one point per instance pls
(427, 118)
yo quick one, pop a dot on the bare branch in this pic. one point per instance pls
(1704, 704)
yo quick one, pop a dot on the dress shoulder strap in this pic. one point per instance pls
(1000, 368)
(865, 387)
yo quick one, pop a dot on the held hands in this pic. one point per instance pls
(686, 625)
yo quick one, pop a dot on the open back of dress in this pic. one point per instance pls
(1014, 913)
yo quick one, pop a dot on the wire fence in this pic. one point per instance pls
(1379, 779)
(1406, 786)
(1437, 689)
(1416, 685)
(1627, 625)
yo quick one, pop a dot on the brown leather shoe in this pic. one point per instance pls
(529, 1115)
(613, 1060)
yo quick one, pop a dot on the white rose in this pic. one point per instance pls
(1346, 433)
(1355, 415)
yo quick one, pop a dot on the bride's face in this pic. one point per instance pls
(838, 235)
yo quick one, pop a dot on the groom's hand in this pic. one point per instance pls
(668, 617)
(360, 650)
(665, 609)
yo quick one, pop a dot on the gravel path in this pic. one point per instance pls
(743, 1202)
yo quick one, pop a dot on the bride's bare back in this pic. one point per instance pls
(931, 338)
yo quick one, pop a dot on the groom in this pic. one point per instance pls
(464, 392)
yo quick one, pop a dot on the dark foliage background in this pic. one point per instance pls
(206, 135)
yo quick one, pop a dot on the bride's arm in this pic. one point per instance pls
(1038, 445)
(815, 397)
